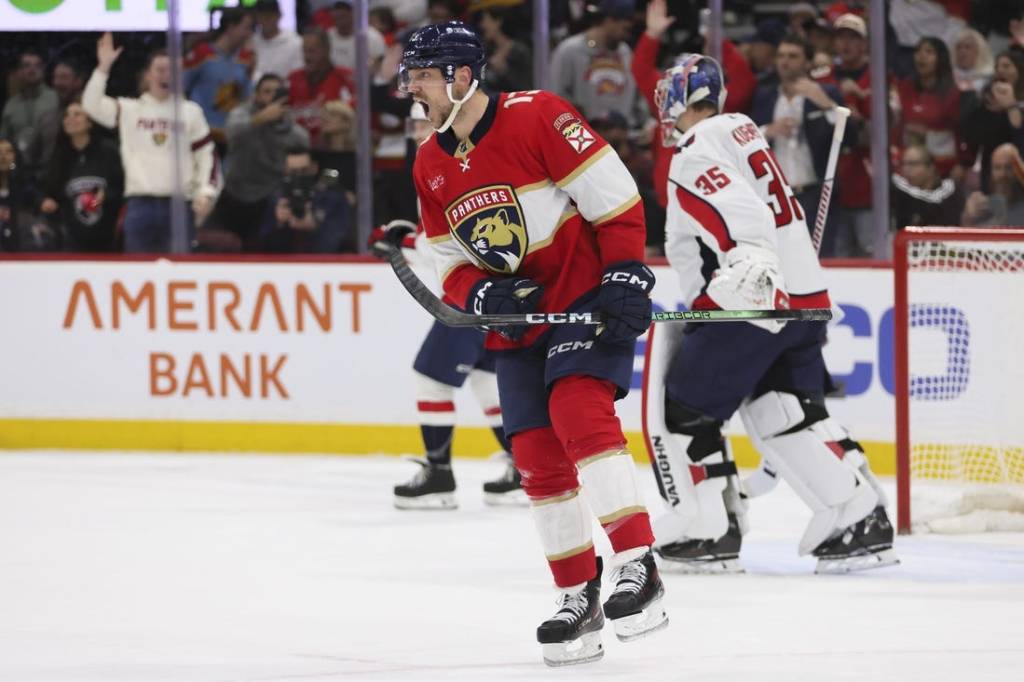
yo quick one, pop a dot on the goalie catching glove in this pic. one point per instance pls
(400, 233)
(501, 296)
(625, 300)
(750, 280)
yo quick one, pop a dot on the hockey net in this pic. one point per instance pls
(959, 379)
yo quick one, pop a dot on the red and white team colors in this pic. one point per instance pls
(708, 202)
(503, 213)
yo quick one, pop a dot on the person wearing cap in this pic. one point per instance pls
(796, 115)
(592, 69)
(278, 51)
(853, 233)
(343, 38)
(760, 47)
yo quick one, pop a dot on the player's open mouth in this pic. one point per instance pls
(426, 107)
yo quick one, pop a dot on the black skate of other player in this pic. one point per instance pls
(703, 555)
(865, 544)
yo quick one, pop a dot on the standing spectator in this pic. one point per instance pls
(148, 141)
(797, 116)
(343, 39)
(13, 197)
(995, 117)
(1004, 207)
(337, 150)
(927, 109)
(853, 233)
(68, 81)
(84, 185)
(317, 83)
(592, 69)
(972, 61)
(509, 61)
(920, 196)
(760, 47)
(278, 51)
(259, 134)
(310, 215)
(217, 73)
(20, 119)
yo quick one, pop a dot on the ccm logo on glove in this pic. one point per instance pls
(628, 278)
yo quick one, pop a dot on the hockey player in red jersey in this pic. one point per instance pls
(737, 238)
(527, 209)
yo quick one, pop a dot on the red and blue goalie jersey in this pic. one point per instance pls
(533, 192)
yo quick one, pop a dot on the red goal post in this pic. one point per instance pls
(958, 265)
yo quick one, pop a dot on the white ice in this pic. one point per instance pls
(139, 567)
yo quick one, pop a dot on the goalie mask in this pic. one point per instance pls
(694, 78)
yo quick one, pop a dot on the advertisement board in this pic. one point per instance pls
(117, 15)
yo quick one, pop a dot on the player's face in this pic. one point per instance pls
(428, 87)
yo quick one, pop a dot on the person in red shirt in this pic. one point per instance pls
(527, 209)
(319, 82)
(928, 110)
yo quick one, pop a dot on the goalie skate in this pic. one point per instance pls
(702, 556)
(573, 634)
(433, 487)
(506, 489)
(864, 545)
(635, 607)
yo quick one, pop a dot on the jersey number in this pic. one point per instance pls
(712, 181)
(785, 205)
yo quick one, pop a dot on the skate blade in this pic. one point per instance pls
(861, 562)
(584, 649)
(514, 498)
(432, 501)
(639, 625)
(701, 567)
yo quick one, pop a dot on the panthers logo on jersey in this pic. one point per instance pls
(489, 224)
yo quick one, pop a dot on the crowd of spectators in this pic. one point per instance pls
(86, 139)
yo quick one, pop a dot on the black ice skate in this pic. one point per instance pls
(635, 606)
(866, 544)
(433, 487)
(506, 489)
(573, 634)
(705, 556)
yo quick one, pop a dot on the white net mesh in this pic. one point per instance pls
(966, 316)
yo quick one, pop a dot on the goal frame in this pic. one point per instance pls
(901, 333)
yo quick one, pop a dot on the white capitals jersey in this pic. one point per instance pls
(725, 188)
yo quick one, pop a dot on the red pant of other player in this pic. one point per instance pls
(585, 442)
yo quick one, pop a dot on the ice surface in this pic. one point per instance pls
(139, 567)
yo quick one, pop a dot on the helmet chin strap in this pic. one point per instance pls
(457, 104)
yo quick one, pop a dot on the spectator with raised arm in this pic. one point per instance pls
(84, 185)
(995, 116)
(145, 128)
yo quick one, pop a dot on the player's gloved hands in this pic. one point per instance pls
(505, 296)
(749, 279)
(625, 300)
(397, 233)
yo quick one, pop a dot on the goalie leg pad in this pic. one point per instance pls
(796, 436)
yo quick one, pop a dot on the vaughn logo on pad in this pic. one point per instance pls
(489, 224)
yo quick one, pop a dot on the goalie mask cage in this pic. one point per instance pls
(959, 379)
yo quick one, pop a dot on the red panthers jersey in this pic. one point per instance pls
(532, 192)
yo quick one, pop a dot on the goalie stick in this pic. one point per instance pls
(451, 317)
(842, 113)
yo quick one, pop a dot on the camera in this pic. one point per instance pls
(298, 190)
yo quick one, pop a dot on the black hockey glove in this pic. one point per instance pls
(505, 296)
(625, 300)
(397, 233)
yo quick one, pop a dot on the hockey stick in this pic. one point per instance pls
(451, 317)
(842, 113)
